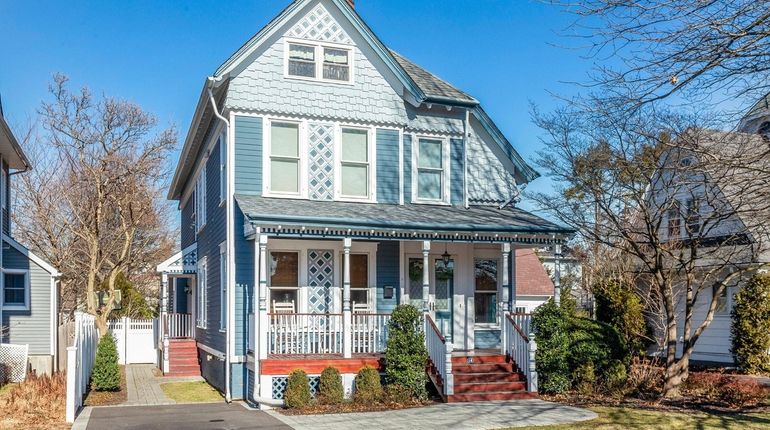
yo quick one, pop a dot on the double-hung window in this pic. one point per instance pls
(222, 167)
(693, 217)
(284, 158)
(359, 279)
(200, 199)
(355, 164)
(485, 296)
(284, 281)
(431, 174)
(319, 62)
(223, 302)
(302, 60)
(336, 65)
(201, 294)
(15, 289)
(674, 222)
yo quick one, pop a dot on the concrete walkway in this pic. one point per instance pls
(144, 387)
(470, 416)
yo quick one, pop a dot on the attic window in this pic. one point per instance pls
(319, 62)
(301, 60)
(336, 64)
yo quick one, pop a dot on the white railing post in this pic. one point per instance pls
(557, 273)
(425, 276)
(347, 335)
(532, 374)
(262, 327)
(449, 379)
(71, 403)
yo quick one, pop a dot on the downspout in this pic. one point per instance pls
(212, 81)
(466, 136)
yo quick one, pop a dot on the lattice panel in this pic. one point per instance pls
(321, 166)
(280, 383)
(13, 363)
(318, 24)
(320, 275)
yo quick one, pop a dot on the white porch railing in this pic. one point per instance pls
(440, 354)
(80, 362)
(521, 347)
(370, 332)
(178, 326)
(293, 334)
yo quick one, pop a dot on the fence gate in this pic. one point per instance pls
(136, 340)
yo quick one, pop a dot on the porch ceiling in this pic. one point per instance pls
(411, 219)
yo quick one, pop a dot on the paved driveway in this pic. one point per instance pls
(192, 416)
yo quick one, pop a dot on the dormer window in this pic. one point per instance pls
(319, 62)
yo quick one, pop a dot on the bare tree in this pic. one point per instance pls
(653, 49)
(93, 205)
(684, 203)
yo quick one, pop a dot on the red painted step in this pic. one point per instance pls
(481, 397)
(483, 368)
(461, 378)
(478, 359)
(486, 387)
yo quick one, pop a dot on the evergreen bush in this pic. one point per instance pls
(297, 394)
(550, 327)
(405, 353)
(106, 372)
(619, 306)
(368, 386)
(330, 391)
(750, 328)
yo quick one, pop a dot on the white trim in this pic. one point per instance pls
(54, 312)
(302, 147)
(206, 149)
(213, 351)
(224, 291)
(318, 47)
(400, 166)
(27, 290)
(371, 136)
(224, 148)
(201, 297)
(29, 254)
(446, 174)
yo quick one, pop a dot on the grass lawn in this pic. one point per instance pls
(6, 388)
(631, 418)
(191, 392)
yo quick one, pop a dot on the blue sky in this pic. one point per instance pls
(505, 53)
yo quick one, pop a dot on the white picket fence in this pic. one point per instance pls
(136, 340)
(80, 362)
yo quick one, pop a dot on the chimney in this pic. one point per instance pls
(352, 4)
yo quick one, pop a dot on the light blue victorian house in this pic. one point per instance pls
(324, 180)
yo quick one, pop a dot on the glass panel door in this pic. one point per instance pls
(415, 282)
(444, 293)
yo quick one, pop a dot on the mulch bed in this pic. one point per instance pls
(351, 407)
(109, 398)
(681, 404)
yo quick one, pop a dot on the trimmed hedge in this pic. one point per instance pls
(297, 394)
(750, 328)
(368, 386)
(330, 390)
(405, 353)
(106, 373)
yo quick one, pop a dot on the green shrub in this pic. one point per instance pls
(584, 378)
(297, 394)
(330, 391)
(750, 328)
(405, 353)
(550, 327)
(615, 375)
(106, 372)
(594, 342)
(368, 386)
(620, 307)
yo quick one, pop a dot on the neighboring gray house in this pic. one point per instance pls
(28, 285)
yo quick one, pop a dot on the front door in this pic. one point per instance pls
(444, 280)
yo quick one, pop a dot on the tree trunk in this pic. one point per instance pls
(676, 373)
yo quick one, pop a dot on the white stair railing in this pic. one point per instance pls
(440, 354)
(521, 347)
(179, 326)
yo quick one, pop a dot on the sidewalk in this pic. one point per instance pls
(470, 416)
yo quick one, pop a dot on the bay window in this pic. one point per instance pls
(284, 158)
(354, 163)
(284, 278)
(431, 174)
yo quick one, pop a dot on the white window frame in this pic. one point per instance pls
(319, 55)
(27, 298)
(223, 308)
(302, 156)
(371, 196)
(299, 305)
(200, 198)
(222, 167)
(201, 297)
(446, 174)
(371, 278)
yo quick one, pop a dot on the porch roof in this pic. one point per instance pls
(411, 219)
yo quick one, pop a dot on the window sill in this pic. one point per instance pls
(431, 202)
(355, 199)
(292, 196)
(15, 308)
(349, 83)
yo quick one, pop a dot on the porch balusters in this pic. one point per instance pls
(347, 336)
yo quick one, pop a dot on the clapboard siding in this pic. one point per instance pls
(187, 225)
(244, 281)
(387, 274)
(407, 168)
(32, 327)
(456, 171)
(387, 166)
(248, 155)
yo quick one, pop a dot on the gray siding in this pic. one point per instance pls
(407, 168)
(213, 370)
(213, 233)
(187, 226)
(456, 169)
(387, 166)
(248, 155)
(32, 327)
(387, 274)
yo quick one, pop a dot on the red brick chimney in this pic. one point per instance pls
(352, 3)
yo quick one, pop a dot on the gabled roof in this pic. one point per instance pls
(434, 87)
(10, 148)
(531, 277)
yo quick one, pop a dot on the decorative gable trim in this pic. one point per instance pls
(318, 24)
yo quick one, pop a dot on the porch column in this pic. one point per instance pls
(512, 273)
(255, 315)
(163, 319)
(504, 305)
(557, 273)
(347, 318)
(263, 320)
(425, 275)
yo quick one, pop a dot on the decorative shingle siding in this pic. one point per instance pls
(488, 180)
(261, 86)
(387, 274)
(248, 155)
(456, 171)
(32, 327)
(387, 166)
(407, 168)
(208, 240)
(436, 120)
(187, 225)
